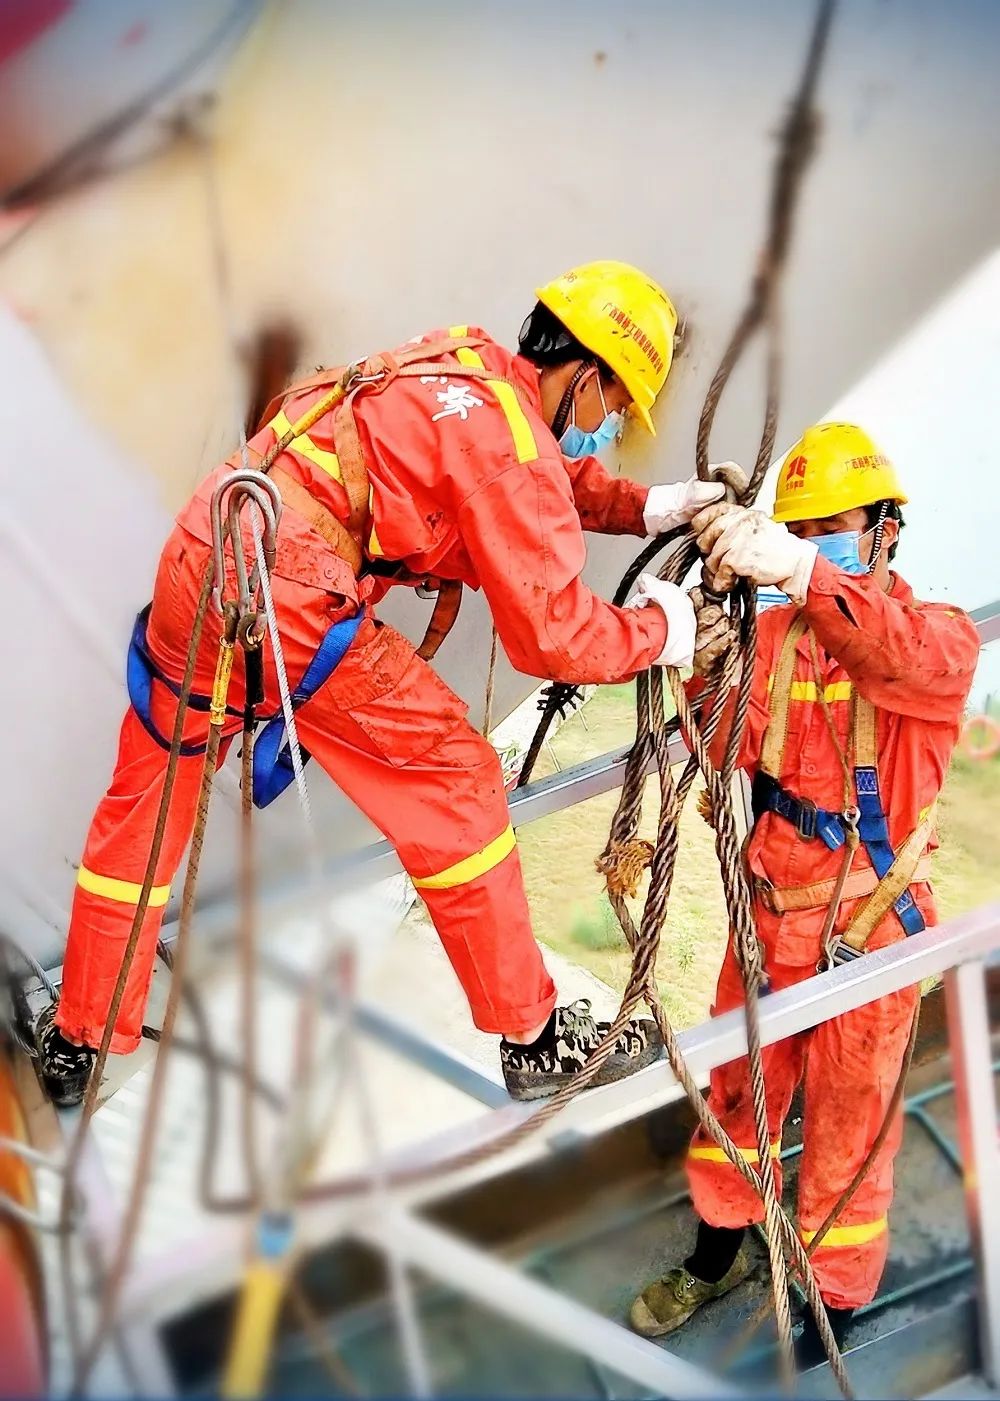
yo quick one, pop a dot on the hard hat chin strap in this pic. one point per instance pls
(566, 402)
(879, 531)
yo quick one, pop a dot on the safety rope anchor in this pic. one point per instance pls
(242, 486)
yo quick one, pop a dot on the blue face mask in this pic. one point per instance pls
(842, 549)
(576, 443)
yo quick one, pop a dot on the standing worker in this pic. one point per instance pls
(453, 459)
(856, 705)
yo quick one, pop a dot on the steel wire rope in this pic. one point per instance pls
(651, 742)
(647, 744)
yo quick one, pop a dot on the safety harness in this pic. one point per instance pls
(272, 761)
(887, 884)
(141, 671)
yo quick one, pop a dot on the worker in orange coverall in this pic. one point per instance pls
(477, 465)
(852, 641)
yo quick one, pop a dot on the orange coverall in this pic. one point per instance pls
(915, 662)
(467, 482)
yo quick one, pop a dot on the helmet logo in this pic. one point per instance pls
(795, 474)
(625, 321)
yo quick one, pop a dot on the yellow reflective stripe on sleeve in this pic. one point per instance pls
(712, 1153)
(860, 1234)
(517, 421)
(471, 866)
(125, 892)
(304, 445)
(806, 690)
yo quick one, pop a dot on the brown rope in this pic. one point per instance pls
(836, 1211)
(651, 739)
(118, 1268)
(795, 148)
(75, 1149)
(491, 679)
(334, 1365)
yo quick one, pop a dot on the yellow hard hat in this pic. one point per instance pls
(833, 467)
(625, 318)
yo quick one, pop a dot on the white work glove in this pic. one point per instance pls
(678, 610)
(747, 544)
(674, 503)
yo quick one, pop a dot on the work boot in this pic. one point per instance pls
(669, 1302)
(567, 1043)
(63, 1066)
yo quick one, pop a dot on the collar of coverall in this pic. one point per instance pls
(528, 377)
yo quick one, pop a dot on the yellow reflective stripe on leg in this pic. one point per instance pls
(471, 866)
(860, 1234)
(327, 462)
(125, 892)
(712, 1153)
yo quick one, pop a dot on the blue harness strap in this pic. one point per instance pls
(874, 833)
(140, 673)
(811, 821)
(272, 760)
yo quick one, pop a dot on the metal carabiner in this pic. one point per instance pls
(242, 485)
(247, 584)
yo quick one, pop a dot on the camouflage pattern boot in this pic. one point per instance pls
(532, 1072)
(63, 1066)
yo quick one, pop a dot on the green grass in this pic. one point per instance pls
(570, 907)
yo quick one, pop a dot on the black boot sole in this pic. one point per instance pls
(531, 1084)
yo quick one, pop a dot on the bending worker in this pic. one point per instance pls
(857, 699)
(451, 458)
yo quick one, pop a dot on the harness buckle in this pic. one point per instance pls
(836, 954)
(805, 818)
(764, 890)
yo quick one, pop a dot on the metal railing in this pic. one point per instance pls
(540, 799)
(201, 1270)
(179, 1280)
